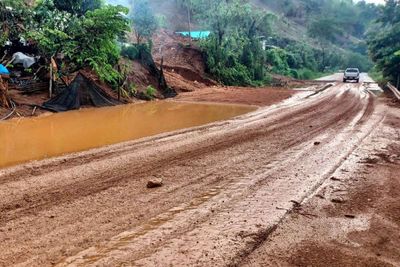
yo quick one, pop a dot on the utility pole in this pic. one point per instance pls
(189, 7)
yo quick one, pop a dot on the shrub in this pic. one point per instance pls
(150, 92)
(131, 52)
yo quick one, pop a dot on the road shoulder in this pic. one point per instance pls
(353, 219)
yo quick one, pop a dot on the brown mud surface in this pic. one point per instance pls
(353, 219)
(227, 188)
(263, 96)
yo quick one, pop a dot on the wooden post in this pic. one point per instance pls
(51, 80)
(119, 82)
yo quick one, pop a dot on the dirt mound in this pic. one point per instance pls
(183, 63)
(138, 76)
(177, 51)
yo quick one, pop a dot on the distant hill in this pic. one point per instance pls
(294, 16)
(339, 25)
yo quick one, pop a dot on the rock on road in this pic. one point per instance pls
(226, 187)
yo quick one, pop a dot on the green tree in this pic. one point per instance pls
(325, 31)
(384, 41)
(14, 14)
(233, 51)
(77, 7)
(86, 41)
(144, 21)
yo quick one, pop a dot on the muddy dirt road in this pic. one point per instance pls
(227, 187)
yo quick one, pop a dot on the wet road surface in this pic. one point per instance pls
(227, 186)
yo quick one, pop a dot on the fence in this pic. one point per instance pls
(395, 91)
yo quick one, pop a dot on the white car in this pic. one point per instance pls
(352, 74)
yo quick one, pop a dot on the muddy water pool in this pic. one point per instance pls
(27, 139)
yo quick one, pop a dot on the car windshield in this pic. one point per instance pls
(352, 70)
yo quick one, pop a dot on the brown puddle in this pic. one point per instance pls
(28, 139)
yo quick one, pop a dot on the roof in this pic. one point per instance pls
(196, 34)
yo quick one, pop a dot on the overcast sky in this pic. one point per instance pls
(375, 1)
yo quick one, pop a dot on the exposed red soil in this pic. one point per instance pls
(25, 103)
(177, 52)
(138, 76)
(263, 96)
(184, 66)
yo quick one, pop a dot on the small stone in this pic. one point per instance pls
(317, 143)
(338, 200)
(155, 182)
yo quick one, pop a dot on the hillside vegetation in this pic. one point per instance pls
(384, 42)
(249, 41)
(304, 38)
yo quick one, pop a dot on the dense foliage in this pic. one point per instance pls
(84, 31)
(340, 18)
(78, 7)
(234, 52)
(246, 43)
(13, 17)
(87, 39)
(384, 41)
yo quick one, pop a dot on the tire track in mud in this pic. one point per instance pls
(43, 168)
(98, 258)
(264, 145)
(80, 189)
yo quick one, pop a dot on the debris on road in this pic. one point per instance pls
(155, 182)
(337, 200)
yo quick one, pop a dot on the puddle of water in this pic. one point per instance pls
(28, 139)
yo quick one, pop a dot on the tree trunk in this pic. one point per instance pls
(4, 100)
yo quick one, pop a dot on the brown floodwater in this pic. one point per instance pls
(27, 139)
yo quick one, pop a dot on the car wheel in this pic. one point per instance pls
(358, 80)
(344, 80)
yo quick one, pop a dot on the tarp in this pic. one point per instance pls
(81, 91)
(196, 34)
(21, 58)
(4, 70)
